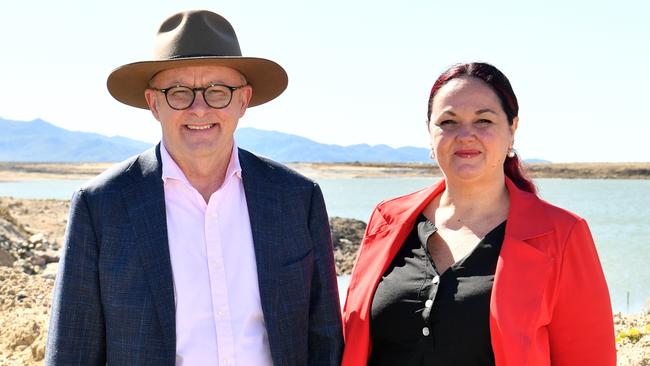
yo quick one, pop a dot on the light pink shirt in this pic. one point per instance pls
(218, 308)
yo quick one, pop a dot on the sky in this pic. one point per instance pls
(359, 71)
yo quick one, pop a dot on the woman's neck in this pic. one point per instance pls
(470, 205)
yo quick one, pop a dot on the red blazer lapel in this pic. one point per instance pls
(524, 269)
(387, 229)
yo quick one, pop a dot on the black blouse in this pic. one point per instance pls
(419, 317)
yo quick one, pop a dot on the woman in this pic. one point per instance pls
(476, 270)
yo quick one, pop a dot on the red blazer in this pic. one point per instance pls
(549, 303)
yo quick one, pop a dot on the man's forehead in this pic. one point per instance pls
(212, 73)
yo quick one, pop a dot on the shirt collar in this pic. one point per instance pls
(171, 170)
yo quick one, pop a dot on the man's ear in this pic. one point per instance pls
(246, 95)
(152, 102)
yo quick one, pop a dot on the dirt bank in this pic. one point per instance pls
(24, 315)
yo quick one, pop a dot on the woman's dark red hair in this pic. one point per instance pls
(489, 74)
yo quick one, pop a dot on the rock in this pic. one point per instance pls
(37, 261)
(50, 270)
(36, 238)
(6, 259)
(46, 256)
(346, 238)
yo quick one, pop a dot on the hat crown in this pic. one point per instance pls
(198, 33)
(196, 38)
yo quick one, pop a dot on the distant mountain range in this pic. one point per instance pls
(285, 147)
(40, 141)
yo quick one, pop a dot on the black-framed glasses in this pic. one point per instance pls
(181, 97)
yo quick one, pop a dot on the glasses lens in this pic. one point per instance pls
(180, 97)
(217, 96)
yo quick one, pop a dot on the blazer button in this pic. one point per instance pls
(425, 331)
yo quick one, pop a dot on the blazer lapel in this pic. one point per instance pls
(264, 207)
(522, 274)
(388, 228)
(145, 204)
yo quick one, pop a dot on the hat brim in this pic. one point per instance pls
(127, 83)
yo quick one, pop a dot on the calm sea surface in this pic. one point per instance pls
(618, 212)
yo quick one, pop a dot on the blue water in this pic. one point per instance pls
(41, 189)
(618, 212)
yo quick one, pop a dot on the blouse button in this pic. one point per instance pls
(425, 331)
(435, 280)
(428, 303)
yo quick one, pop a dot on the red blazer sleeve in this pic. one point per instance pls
(581, 331)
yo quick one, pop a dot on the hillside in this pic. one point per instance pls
(41, 141)
(289, 148)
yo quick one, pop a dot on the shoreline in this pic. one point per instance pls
(16, 172)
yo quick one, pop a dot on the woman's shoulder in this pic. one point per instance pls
(397, 206)
(402, 208)
(559, 215)
(405, 199)
(535, 208)
(549, 218)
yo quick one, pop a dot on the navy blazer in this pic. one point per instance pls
(114, 300)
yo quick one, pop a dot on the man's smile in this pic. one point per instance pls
(203, 126)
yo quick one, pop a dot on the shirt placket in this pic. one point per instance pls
(218, 284)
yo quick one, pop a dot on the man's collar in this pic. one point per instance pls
(171, 170)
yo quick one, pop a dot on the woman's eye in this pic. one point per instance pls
(446, 122)
(484, 122)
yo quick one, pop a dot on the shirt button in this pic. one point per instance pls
(425, 331)
(428, 303)
(435, 280)
(227, 361)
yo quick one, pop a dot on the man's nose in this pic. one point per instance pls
(199, 105)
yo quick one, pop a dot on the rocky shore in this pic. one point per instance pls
(31, 234)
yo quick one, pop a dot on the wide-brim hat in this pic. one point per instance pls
(196, 38)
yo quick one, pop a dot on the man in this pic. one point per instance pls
(196, 252)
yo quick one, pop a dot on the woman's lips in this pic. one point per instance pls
(467, 153)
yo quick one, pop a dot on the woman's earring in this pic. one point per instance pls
(511, 153)
(432, 154)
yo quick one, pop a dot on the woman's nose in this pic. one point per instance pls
(465, 132)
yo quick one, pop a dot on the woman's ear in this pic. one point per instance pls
(515, 124)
